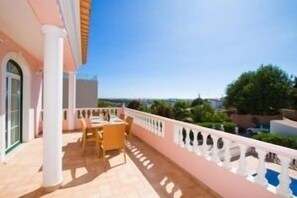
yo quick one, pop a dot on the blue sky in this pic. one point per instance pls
(179, 48)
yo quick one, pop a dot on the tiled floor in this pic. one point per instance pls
(146, 173)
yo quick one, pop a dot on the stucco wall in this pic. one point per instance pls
(32, 87)
(246, 121)
(86, 93)
(289, 113)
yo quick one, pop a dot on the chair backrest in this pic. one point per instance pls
(113, 136)
(129, 120)
(122, 116)
(83, 124)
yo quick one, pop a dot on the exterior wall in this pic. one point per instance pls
(289, 113)
(32, 89)
(215, 103)
(283, 127)
(86, 93)
(246, 121)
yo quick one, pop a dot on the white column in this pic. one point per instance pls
(261, 169)
(283, 188)
(71, 100)
(52, 105)
(2, 136)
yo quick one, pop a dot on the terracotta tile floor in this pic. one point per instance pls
(146, 173)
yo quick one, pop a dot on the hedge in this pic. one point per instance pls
(286, 141)
(228, 126)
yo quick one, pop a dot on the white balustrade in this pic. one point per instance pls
(227, 154)
(261, 169)
(214, 156)
(195, 143)
(89, 112)
(196, 139)
(149, 122)
(188, 140)
(241, 170)
(204, 145)
(284, 179)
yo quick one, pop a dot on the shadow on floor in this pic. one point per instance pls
(167, 179)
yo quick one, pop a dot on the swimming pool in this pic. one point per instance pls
(272, 179)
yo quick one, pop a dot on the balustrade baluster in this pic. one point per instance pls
(148, 123)
(155, 127)
(227, 154)
(204, 144)
(188, 140)
(214, 156)
(261, 169)
(175, 134)
(180, 133)
(160, 129)
(195, 143)
(158, 126)
(163, 129)
(242, 161)
(284, 179)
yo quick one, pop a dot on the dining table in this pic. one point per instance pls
(99, 122)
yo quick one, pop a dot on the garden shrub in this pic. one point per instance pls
(228, 126)
(286, 141)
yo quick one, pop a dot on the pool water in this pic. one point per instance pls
(272, 179)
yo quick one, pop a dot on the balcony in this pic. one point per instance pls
(146, 173)
(166, 158)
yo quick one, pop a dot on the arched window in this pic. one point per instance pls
(13, 105)
(14, 68)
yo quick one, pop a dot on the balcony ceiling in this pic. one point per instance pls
(85, 6)
(18, 21)
(22, 21)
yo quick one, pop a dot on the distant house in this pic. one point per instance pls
(215, 103)
(283, 127)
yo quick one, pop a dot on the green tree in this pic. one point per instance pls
(181, 111)
(197, 101)
(134, 104)
(294, 94)
(143, 108)
(202, 113)
(103, 103)
(262, 92)
(159, 107)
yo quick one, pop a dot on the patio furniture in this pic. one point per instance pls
(112, 138)
(129, 121)
(122, 116)
(89, 135)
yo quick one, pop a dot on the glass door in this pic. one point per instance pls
(13, 109)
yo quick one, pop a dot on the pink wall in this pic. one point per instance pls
(224, 182)
(35, 104)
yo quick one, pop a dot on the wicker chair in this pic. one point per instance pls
(129, 121)
(112, 138)
(89, 135)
